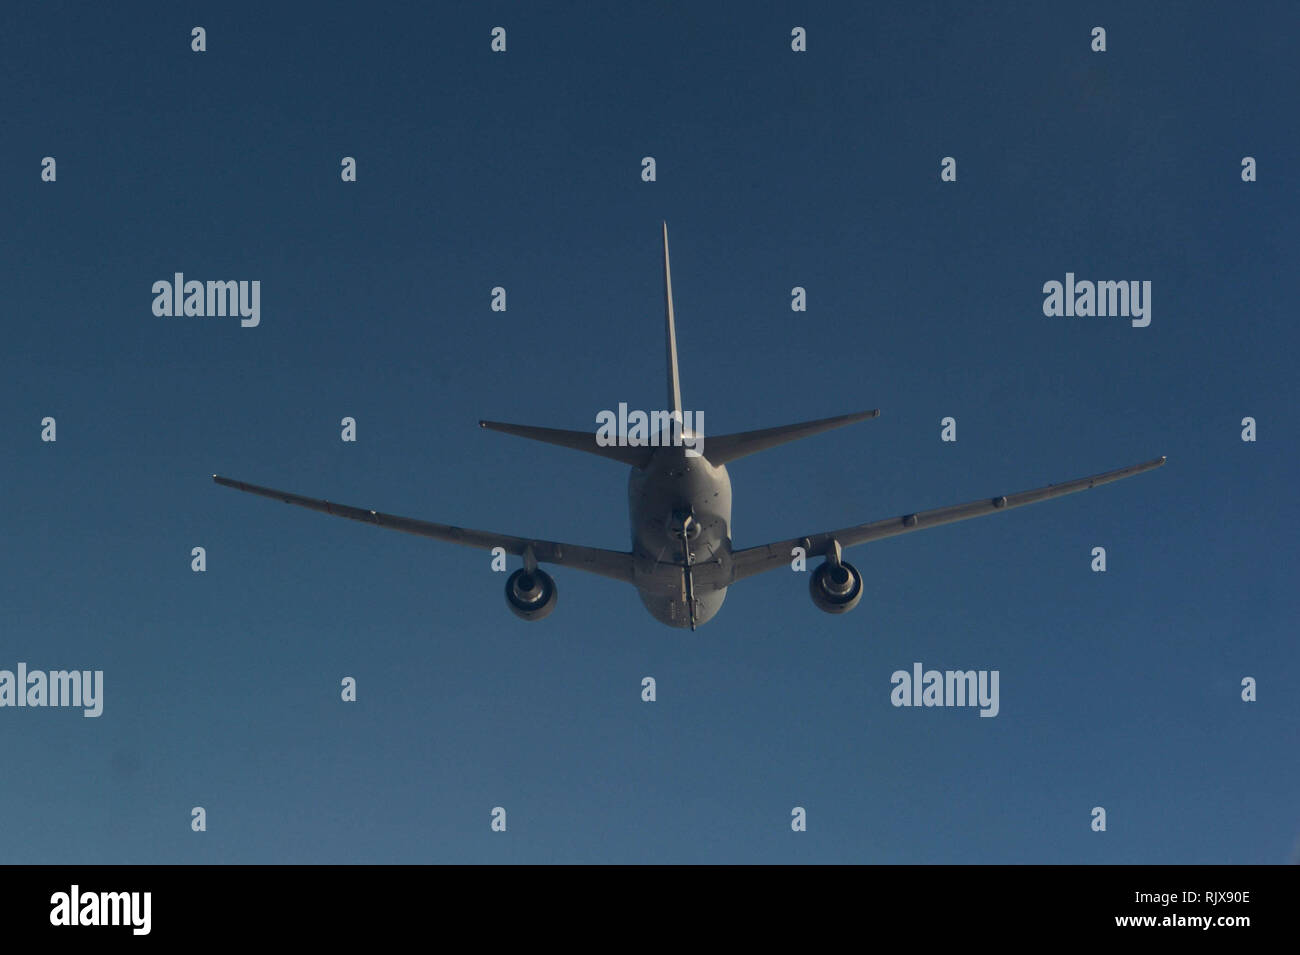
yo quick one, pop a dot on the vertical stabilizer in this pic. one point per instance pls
(674, 383)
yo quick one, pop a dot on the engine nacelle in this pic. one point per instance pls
(530, 595)
(835, 588)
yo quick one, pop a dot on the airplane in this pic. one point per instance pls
(682, 561)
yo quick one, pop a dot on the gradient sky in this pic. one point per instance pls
(775, 169)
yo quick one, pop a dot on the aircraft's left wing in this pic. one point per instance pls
(595, 560)
(755, 560)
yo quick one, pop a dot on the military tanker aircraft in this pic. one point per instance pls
(679, 501)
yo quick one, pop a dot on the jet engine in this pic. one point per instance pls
(530, 594)
(835, 587)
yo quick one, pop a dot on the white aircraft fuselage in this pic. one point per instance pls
(680, 509)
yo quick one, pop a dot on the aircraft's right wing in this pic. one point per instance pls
(755, 560)
(606, 563)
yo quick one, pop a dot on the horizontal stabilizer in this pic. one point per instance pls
(728, 447)
(637, 457)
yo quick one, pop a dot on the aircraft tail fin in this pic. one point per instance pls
(636, 456)
(674, 381)
(728, 447)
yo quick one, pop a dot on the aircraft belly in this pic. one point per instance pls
(659, 496)
(673, 611)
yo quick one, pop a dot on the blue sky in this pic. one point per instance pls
(522, 169)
